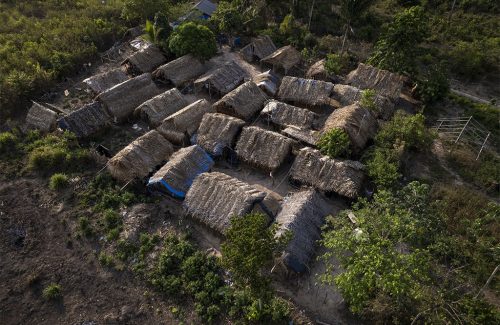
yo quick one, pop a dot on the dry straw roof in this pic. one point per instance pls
(223, 79)
(140, 157)
(177, 175)
(356, 121)
(145, 60)
(262, 148)
(305, 91)
(268, 82)
(302, 214)
(286, 57)
(344, 177)
(383, 82)
(122, 99)
(309, 137)
(86, 120)
(260, 47)
(285, 115)
(217, 132)
(106, 80)
(347, 95)
(41, 118)
(156, 109)
(181, 70)
(243, 102)
(317, 71)
(186, 121)
(214, 198)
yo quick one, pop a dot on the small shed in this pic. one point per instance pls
(243, 102)
(41, 118)
(144, 60)
(384, 82)
(283, 114)
(347, 95)
(103, 81)
(344, 177)
(156, 109)
(302, 215)
(305, 91)
(268, 82)
(140, 157)
(318, 71)
(356, 121)
(214, 198)
(218, 132)
(286, 58)
(222, 80)
(259, 48)
(180, 71)
(122, 99)
(264, 149)
(86, 121)
(177, 175)
(184, 122)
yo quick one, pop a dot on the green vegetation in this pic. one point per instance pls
(159, 31)
(336, 64)
(52, 292)
(106, 260)
(335, 143)
(228, 17)
(350, 12)
(190, 38)
(85, 227)
(368, 99)
(138, 11)
(58, 181)
(8, 143)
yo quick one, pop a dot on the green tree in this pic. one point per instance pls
(335, 143)
(228, 17)
(350, 11)
(141, 10)
(159, 31)
(190, 38)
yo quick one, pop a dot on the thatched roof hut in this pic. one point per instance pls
(268, 82)
(86, 121)
(260, 47)
(318, 71)
(177, 175)
(308, 137)
(156, 109)
(222, 80)
(305, 91)
(122, 99)
(214, 198)
(286, 57)
(41, 118)
(144, 60)
(356, 121)
(243, 102)
(140, 157)
(180, 71)
(385, 83)
(184, 122)
(103, 81)
(218, 132)
(284, 115)
(302, 214)
(344, 177)
(347, 95)
(263, 149)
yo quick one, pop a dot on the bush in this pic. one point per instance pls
(8, 142)
(383, 167)
(190, 38)
(336, 64)
(368, 99)
(52, 291)
(474, 59)
(433, 86)
(141, 10)
(85, 226)
(335, 143)
(106, 260)
(58, 181)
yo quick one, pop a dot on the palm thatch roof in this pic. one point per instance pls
(302, 215)
(259, 48)
(106, 80)
(284, 115)
(385, 83)
(184, 122)
(214, 198)
(86, 121)
(286, 57)
(41, 118)
(317, 71)
(344, 177)
(181, 70)
(223, 79)
(268, 82)
(140, 157)
(356, 121)
(308, 137)
(263, 149)
(243, 102)
(347, 95)
(122, 99)
(177, 175)
(218, 132)
(144, 60)
(156, 109)
(305, 91)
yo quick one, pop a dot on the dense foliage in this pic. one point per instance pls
(191, 38)
(335, 143)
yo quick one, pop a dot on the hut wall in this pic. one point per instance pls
(243, 102)
(86, 121)
(217, 132)
(285, 57)
(156, 109)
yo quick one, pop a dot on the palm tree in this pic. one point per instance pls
(350, 11)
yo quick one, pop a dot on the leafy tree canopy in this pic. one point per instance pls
(191, 38)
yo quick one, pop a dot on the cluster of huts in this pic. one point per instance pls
(264, 129)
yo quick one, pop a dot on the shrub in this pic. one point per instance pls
(58, 181)
(190, 38)
(105, 259)
(52, 291)
(473, 59)
(85, 226)
(335, 143)
(335, 63)
(433, 86)
(368, 99)
(140, 10)
(228, 18)
(383, 167)
(8, 142)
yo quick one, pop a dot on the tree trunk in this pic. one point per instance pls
(310, 15)
(347, 28)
